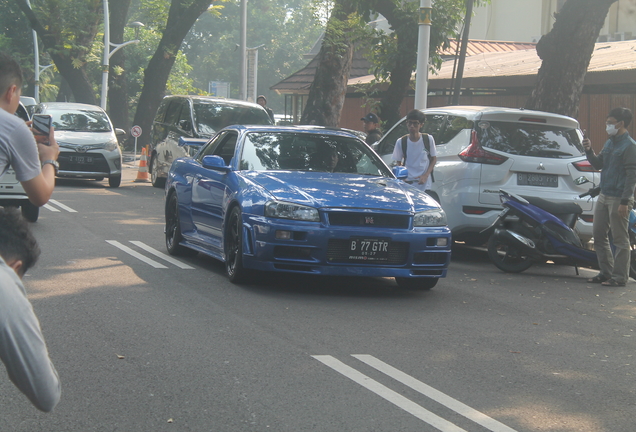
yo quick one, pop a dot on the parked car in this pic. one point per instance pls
(306, 201)
(483, 149)
(87, 140)
(11, 191)
(193, 117)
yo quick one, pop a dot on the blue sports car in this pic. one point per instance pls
(303, 200)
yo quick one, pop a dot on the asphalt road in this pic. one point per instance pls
(144, 343)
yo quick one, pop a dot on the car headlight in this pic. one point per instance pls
(287, 210)
(430, 218)
(111, 145)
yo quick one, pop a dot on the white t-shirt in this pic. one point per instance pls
(416, 158)
(17, 148)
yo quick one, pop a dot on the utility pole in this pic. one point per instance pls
(243, 53)
(423, 42)
(462, 53)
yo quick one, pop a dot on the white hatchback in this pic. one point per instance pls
(483, 149)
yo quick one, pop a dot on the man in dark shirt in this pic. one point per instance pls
(617, 162)
(262, 101)
(372, 128)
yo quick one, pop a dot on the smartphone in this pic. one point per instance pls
(42, 124)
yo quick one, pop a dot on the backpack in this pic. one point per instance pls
(427, 146)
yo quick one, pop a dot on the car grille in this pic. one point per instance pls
(92, 162)
(430, 258)
(338, 252)
(366, 219)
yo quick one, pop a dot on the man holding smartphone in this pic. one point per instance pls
(34, 159)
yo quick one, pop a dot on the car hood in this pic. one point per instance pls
(83, 138)
(342, 190)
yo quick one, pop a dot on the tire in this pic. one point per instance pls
(30, 211)
(236, 273)
(507, 258)
(158, 182)
(416, 284)
(114, 181)
(632, 263)
(173, 229)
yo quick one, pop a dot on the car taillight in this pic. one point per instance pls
(477, 154)
(584, 166)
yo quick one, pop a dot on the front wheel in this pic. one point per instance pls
(234, 248)
(114, 180)
(158, 182)
(506, 257)
(416, 284)
(30, 211)
(173, 229)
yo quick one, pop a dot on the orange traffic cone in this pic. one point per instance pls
(142, 174)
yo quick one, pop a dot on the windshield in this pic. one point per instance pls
(79, 120)
(530, 139)
(212, 117)
(289, 151)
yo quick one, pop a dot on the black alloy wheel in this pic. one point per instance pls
(234, 248)
(173, 229)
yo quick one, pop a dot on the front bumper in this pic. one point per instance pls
(316, 249)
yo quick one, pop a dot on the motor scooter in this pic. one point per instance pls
(531, 230)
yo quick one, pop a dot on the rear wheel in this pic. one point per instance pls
(30, 211)
(234, 248)
(507, 258)
(173, 229)
(158, 182)
(416, 284)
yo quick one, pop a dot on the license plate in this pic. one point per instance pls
(369, 249)
(547, 180)
(81, 159)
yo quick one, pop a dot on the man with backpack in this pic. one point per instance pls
(417, 152)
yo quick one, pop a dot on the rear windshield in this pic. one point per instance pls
(212, 117)
(530, 139)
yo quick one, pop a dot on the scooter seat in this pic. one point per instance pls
(567, 212)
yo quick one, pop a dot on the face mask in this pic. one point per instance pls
(611, 129)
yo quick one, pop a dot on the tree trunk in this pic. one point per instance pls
(180, 20)
(328, 91)
(407, 31)
(566, 52)
(118, 84)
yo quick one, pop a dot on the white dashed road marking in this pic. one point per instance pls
(406, 404)
(161, 255)
(153, 251)
(60, 205)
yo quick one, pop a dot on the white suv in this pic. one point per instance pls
(483, 149)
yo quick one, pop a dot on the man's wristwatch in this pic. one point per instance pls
(55, 164)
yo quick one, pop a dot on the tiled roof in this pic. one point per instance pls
(300, 81)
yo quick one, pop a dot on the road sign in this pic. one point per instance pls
(135, 131)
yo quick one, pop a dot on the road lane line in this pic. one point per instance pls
(50, 207)
(62, 206)
(137, 255)
(161, 255)
(388, 394)
(428, 391)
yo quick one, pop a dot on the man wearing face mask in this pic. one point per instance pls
(617, 162)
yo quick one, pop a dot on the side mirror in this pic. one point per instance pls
(214, 162)
(400, 172)
(120, 132)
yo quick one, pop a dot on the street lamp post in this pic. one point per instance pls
(252, 67)
(424, 37)
(37, 69)
(108, 53)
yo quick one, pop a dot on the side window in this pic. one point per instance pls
(211, 146)
(185, 119)
(454, 125)
(434, 125)
(173, 111)
(226, 147)
(388, 141)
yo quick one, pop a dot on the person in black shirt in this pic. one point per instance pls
(372, 128)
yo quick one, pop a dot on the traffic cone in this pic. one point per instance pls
(142, 174)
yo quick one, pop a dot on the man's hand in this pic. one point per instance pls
(423, 178)
(623, 211)
(47, 146)
(587, 144)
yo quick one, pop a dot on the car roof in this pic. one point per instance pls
(292, 128)
(71, 106)
(504, 114)
(219, 100)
